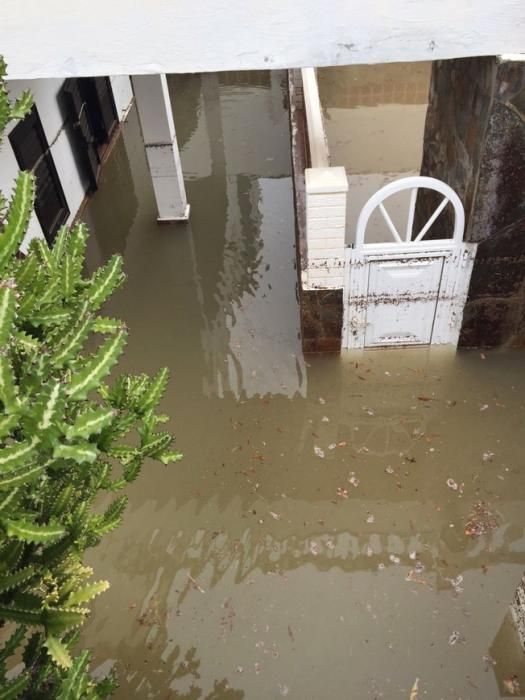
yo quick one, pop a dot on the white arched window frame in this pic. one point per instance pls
(413, 184)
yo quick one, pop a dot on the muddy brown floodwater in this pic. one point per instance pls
(374, 119)
(312, 543)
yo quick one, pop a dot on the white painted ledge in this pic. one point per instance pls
(171, 219)
(325, 180)
(317, 141)
(42, 39)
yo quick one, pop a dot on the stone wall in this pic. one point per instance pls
(475, 141)
(321, 310)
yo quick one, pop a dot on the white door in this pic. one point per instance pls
(409, 291)
(402, 300)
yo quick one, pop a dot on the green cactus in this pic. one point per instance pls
(63, 433)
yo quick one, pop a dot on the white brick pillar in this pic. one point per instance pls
(326, 190)
(158, 131)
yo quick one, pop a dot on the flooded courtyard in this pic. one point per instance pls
(340, 527)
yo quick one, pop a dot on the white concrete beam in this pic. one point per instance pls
(158, 131)
(45, 39)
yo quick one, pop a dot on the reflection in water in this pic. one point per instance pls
(308, 543)
(375, 118)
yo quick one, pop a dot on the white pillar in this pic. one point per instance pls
(326, 190)
(158, 131)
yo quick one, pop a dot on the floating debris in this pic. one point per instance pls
(318, 451)
(325, 419)
(352, 479)
(456, 584)
(512, 685)
(487, 456)
(315, 549)
(455, 486)
(394, 559)
(196, 585)
(370, 518)
(283, 689)
(342, 492)
(389, 470)
(419, 567)
(455, 637)
(413, 692)
(412, 577)
(488, 661)
(481, 520)
(275, 516)
(412, 555)
(332, 446)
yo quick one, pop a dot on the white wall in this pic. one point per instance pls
(45, 97)
(47, 39)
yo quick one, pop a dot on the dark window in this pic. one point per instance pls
(32, 152)
(101, 106)
(90, 109)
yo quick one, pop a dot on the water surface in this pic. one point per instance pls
(375, 119)
(309, 544)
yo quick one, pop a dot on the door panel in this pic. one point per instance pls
(401, 301)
